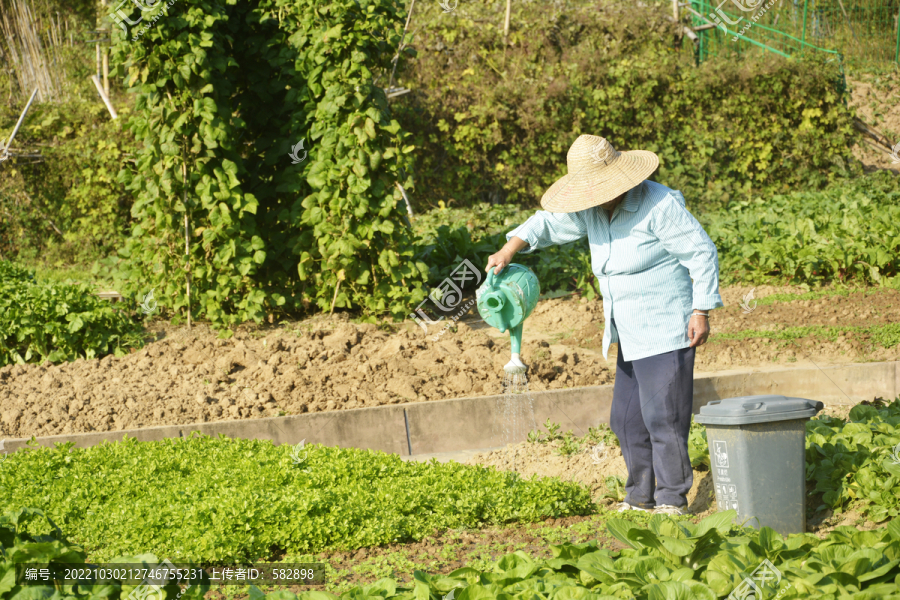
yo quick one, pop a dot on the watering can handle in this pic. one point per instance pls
(490, 276)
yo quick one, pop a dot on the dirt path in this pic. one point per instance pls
(330, 364)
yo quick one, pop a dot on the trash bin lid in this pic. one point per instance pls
(757, 409)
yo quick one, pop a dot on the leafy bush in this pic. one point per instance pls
(239, 499)
(493, 121)
(13, 272)
(846, 232)
(68, 206)
(58, 322)
(224, 91)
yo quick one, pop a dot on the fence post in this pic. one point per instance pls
(803, 37)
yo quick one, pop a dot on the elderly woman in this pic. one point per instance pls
(658, 272)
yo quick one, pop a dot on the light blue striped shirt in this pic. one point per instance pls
(644, 262)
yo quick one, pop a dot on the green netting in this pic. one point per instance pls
(862, 32)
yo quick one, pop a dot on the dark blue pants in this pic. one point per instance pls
(651, 416)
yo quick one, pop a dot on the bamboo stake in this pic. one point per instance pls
(5, 154)
(103, 95)
(187, 242)
(408, 205)
(106, 71)
(333, 300)
(400, 48)
(102, 32)
(506, 23)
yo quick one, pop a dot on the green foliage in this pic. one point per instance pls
(886, 336)
(536, 437)
(224, 91)
(67, 206)
(58, 322)
(494, 121)
(10, 272)
(615, 488)
(601, 434)
(846, 232)
(480, 221)
(855, 463)
(668, 560)
(698, 447)
(444, 244)
(223, 499)
(18, 546)
(569, 444)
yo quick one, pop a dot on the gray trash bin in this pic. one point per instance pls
(757, 455)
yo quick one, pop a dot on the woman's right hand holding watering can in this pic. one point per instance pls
(502, 258)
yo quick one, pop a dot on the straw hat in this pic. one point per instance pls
(598, 174)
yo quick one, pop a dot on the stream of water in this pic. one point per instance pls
(515, 411)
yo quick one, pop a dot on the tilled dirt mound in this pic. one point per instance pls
(200, 378)
(324, 364)
(590, 467)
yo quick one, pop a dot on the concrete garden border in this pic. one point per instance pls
(471, 423)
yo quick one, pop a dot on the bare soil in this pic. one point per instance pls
(874, 97)
(589, 467)
(324, 364)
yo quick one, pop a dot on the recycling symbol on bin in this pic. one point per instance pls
(721, 451)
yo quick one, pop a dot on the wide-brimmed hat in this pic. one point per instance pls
(598, 174)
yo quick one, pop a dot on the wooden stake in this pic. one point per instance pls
(400, 47)
(106, 71)
(103, 95)
(675, 9)
(333, 300)
(187, 242)
(506, 24)
(4, 154)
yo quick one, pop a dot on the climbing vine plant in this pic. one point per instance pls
(226, 91)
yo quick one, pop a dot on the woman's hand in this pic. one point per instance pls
(500, 260)
(505, 255)
(698, 330)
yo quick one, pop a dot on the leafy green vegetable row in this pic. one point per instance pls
(664, 560)
(845, 232)
(200, 498)
(857, 463)
(58, 322)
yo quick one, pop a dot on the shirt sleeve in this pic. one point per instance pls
(544, 229)
(684, 238)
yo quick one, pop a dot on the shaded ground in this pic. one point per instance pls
(324, 364)
(874, 96)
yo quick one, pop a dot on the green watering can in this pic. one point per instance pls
(505, 301)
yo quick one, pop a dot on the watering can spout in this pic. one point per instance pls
(505, 301)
